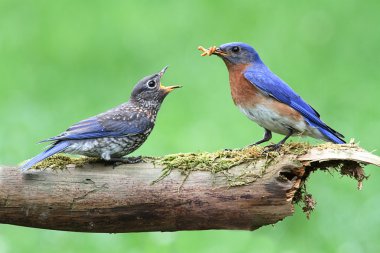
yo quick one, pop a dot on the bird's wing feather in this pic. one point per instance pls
(105, 125)
(273, 86)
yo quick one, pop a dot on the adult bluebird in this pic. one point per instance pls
(117, 132)
(266, 99)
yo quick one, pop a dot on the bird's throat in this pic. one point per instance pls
(242, 91)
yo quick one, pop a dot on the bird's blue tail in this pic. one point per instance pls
(328, 133)
(331, 136)
(56, 148)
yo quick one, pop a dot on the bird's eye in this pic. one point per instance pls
(235, 49)
(151, 84)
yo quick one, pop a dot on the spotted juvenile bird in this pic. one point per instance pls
(266, 99)
(115, 133)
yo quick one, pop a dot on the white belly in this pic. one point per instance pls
(271, 120)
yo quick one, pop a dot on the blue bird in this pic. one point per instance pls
(115, 133)
(266, 99)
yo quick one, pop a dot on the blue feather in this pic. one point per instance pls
(102, 127)
(56, 148)
(330, 135)
(259, 75)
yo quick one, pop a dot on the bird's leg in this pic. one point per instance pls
(277, 146)
(267, 137)
(124, 160)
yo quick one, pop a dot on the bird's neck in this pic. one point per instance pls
(152, 106)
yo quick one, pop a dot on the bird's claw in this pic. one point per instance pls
(207, 51)
(272, 147)
(133, 160)
(127, 160)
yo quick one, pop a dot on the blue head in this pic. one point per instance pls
(237, 53)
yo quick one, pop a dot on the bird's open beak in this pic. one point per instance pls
(212, 50)
(168, 89)
(162, 72)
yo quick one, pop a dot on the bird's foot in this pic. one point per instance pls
(133, 159)
(124, 160)
(272, 147)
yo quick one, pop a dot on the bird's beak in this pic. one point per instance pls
(168, 89)
(162, 72)
(212, 50)
(219, 52)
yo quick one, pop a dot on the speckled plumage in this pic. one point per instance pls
(138, 118)
(116, 147)
(116, 132)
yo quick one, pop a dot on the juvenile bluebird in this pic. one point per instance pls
(266, 99)
(114, 133)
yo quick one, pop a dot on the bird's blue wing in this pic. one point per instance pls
(105, 126)
(273, 86)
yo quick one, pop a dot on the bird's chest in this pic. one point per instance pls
(243, 93)
(264, 110)
(127, 143)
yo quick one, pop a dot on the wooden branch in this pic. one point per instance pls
(99, 198)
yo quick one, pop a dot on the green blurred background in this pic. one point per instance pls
(62, 61)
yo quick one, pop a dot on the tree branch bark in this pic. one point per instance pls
(99, 198)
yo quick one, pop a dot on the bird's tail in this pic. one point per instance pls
(332, 135)
(56, 148)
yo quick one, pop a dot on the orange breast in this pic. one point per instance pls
(242, 91)
(245, 94)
